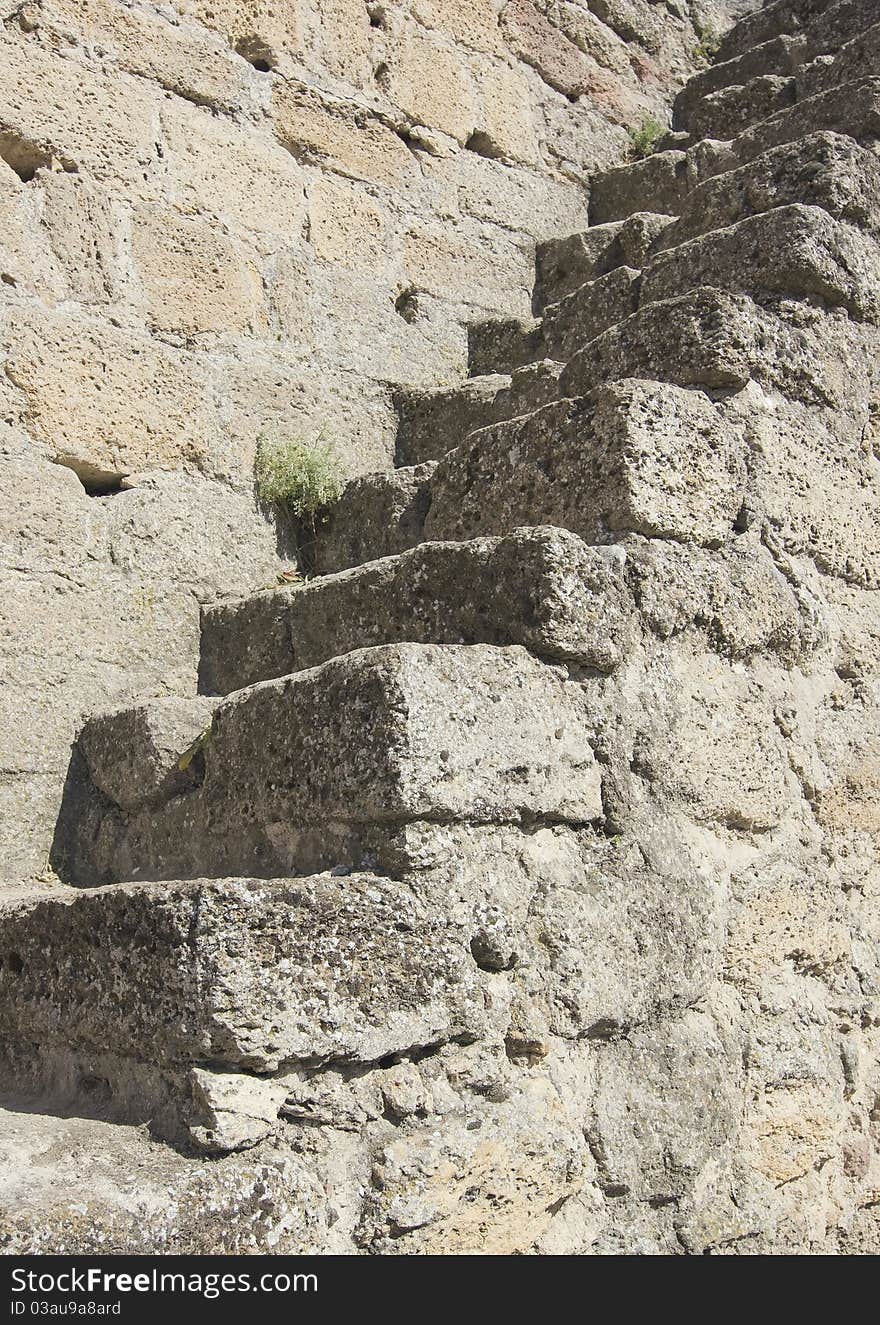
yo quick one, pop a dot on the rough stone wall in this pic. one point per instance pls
(227, 218)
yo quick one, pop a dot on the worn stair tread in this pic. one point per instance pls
(542, 588)
(795, 250)
(564, 265)
(501, 345)
(432, 421)
(826, 169)
(731, 110)
(377, 515)
(780, 56)
(589, 310)
(666, 179)
(175, 975)
(380, 736)
(785, 17)
(636, 457)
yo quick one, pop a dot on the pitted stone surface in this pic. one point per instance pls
(542, 588)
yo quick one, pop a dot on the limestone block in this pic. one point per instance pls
(185, 60)
(431, 83)
(711, 744)
(487, 189)
(506, 115)
(796, 250)
(381, 746)
(258, 29)
(827, 170)
(346, 225)
(344, 34)
(452, 1190)
(637, 458)
(471, 23)
(541, 588)
(27, 261)
(377, 515)
(140, 756)
(233, 173)
(56, 108)
(194, 279)
(667, 1108)
(588, 311)
(107, 402)
(461, 265)
(238, 973)
(339, 136)
(430, 423)
(83, 222)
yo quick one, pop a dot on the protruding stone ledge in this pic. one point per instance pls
(542, 588)
(379, 737)
(237, 974)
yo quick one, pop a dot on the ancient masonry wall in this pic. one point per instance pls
(227, 218)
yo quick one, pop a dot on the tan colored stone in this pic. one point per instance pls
(231, 171)
(59, 108)
(472, 23)
(344, 28)
(189, 61)
(194, 278)
(345, 224)
(339, 136)
(461, 266)
(506, 112)
(253, 27)
(105, 401)
(83, 224)
(430, 82)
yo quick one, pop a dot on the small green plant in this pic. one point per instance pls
(708, 47)
(302, 476)
(645, 138)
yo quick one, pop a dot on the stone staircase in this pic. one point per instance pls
(289, 893)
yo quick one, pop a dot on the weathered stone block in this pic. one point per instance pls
(378, 515)
(194, 279)
(346, 225)
(430, 423)
(338, 135)
(636, 457)
(145, 754)
(431, 83)
(591, 309)
(828, 170)
(238, 973)
(799, 251)
(541, 588)
(378, 737)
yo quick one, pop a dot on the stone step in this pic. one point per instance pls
(501, 345)
(431, 422)
(793, 251)
(589, 310)
(786, 17)
(659, 183)
(315, 769)
(541, 588)
(781, 56)
(852, 109)
(827, 170)
(378, 515)
(636, 457)
(720, 341)
(858, 59)
(161, 991)
(664, 181)
(563, 265)
(726, 113)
